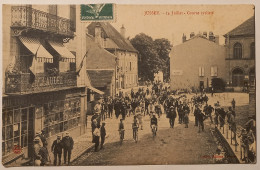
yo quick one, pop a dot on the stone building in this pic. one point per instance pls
(101, 67)
(41, 90)
(127, 56)
(195, 62)
(240, 56)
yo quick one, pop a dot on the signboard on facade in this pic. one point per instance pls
(177, 72)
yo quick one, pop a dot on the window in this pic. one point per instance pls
(59, 116)
(237, 51)
(252, 50)
(130, 66)
(201, 71)
(214, 71)
(14, 129)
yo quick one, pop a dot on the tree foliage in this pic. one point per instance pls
(153, 56)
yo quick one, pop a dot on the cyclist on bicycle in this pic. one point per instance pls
(121, 128)
(154, 122)
(135, 127)
(158, 108)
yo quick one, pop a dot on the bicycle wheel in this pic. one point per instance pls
(121, 139)
(136, 137)
(153, 133)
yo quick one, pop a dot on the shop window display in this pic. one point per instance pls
(60, 116)
(53, 117)
(14, 129)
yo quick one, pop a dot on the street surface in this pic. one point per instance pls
(171, 146)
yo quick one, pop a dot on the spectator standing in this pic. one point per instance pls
(44, 155)
(67, 143)
(103, 135)
(233, 103)
(96, 135)
(56, 149)
(233, 127)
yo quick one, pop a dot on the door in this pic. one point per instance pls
(238, 78)
(201, 85)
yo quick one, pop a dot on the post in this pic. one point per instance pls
(236, 143)
(224, 127)
(231, 135)
(241, 151)
(227, 131)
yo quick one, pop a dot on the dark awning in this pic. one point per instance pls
(35, 46)
(63, 51)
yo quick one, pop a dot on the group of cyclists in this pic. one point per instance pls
(148, 102)
(158, 100)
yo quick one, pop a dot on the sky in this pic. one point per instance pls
(224, 19)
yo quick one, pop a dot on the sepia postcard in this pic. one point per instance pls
(107, 84)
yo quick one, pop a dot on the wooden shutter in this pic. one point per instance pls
(215, 71)
(202, 71)
(211, 71)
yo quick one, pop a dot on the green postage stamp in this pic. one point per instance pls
(97, 12)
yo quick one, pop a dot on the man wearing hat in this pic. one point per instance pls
(172, 115)
(103, 134)
(67, 143)
(196, 113)
(154, 121)
(56, 149)
(43, 139)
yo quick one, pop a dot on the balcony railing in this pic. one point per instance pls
(23, 16)
(25, 83)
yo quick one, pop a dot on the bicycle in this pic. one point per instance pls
(153, 130)
(136, 135)
(121, 135)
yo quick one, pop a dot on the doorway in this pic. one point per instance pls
(201, 85)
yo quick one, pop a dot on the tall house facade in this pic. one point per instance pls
(40, 90)
(101, 67)
(116, 43)
(240, 58)
(195, 62)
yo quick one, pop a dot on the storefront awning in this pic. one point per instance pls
(66, 55)
(35, 46)
(95, 90)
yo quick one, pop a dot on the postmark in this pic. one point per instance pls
(97, 12)
(17, 149)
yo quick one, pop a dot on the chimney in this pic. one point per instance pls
(216, 39)
(122, 31)
(192, 34)
(183, 38)
(98, 33)
(205, 34)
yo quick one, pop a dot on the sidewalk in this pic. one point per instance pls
(81, 144)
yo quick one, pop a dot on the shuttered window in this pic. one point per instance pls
(214, 71)
(201, 71)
